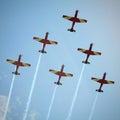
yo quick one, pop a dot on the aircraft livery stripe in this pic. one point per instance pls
(26, 64)
(110, 82)
(97, 53)
(10, 61)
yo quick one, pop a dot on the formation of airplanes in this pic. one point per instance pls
(102, 81)
(18, 63)
(60, 73)
(88, 52)
(74, 20)
(44, 42)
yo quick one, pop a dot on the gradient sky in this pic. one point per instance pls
(21, 20)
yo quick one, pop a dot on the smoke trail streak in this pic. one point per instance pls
(75, 95)
(93, 107)
(9, 97)
(32, 88)
(51, 103)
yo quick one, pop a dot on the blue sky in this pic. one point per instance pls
(22, 20)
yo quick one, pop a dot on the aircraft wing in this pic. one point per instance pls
(96, 79)
(67, 17)
(82, 50)
(89, 52)
(52, 42)
(74, 19)
(61, 73)
(67, 74)
(102, 81)
(25, 64)
(11, 61)
(44, 41)
(95, 53)
(82, 20)
(16, 63)
(110, 82)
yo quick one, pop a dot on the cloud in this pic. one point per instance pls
(3, 101)
(18, 100)
(15, 104)
(33, 115)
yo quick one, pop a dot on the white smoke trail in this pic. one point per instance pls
(75, 95)
(9, 97)
(93, 107)
(32, 88)
(51, 103)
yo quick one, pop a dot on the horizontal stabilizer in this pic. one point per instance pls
(57, 83)
(71, 30)
(98, 90)
(16, 73)
(42, 51)
(85, 62)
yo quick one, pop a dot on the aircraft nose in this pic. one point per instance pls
(91, 43)
(105, 73)
(47, 32)
(63, 65)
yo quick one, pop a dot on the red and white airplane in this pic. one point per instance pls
(60, 74)
(102, 81)
(18, 63)
(74, 20)
(44, 42)
(88, 52)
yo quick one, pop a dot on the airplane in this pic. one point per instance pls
(60, 74)
(102, 81)
(88, 52)
(44, 42)
(74, 20)
(18, 63)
